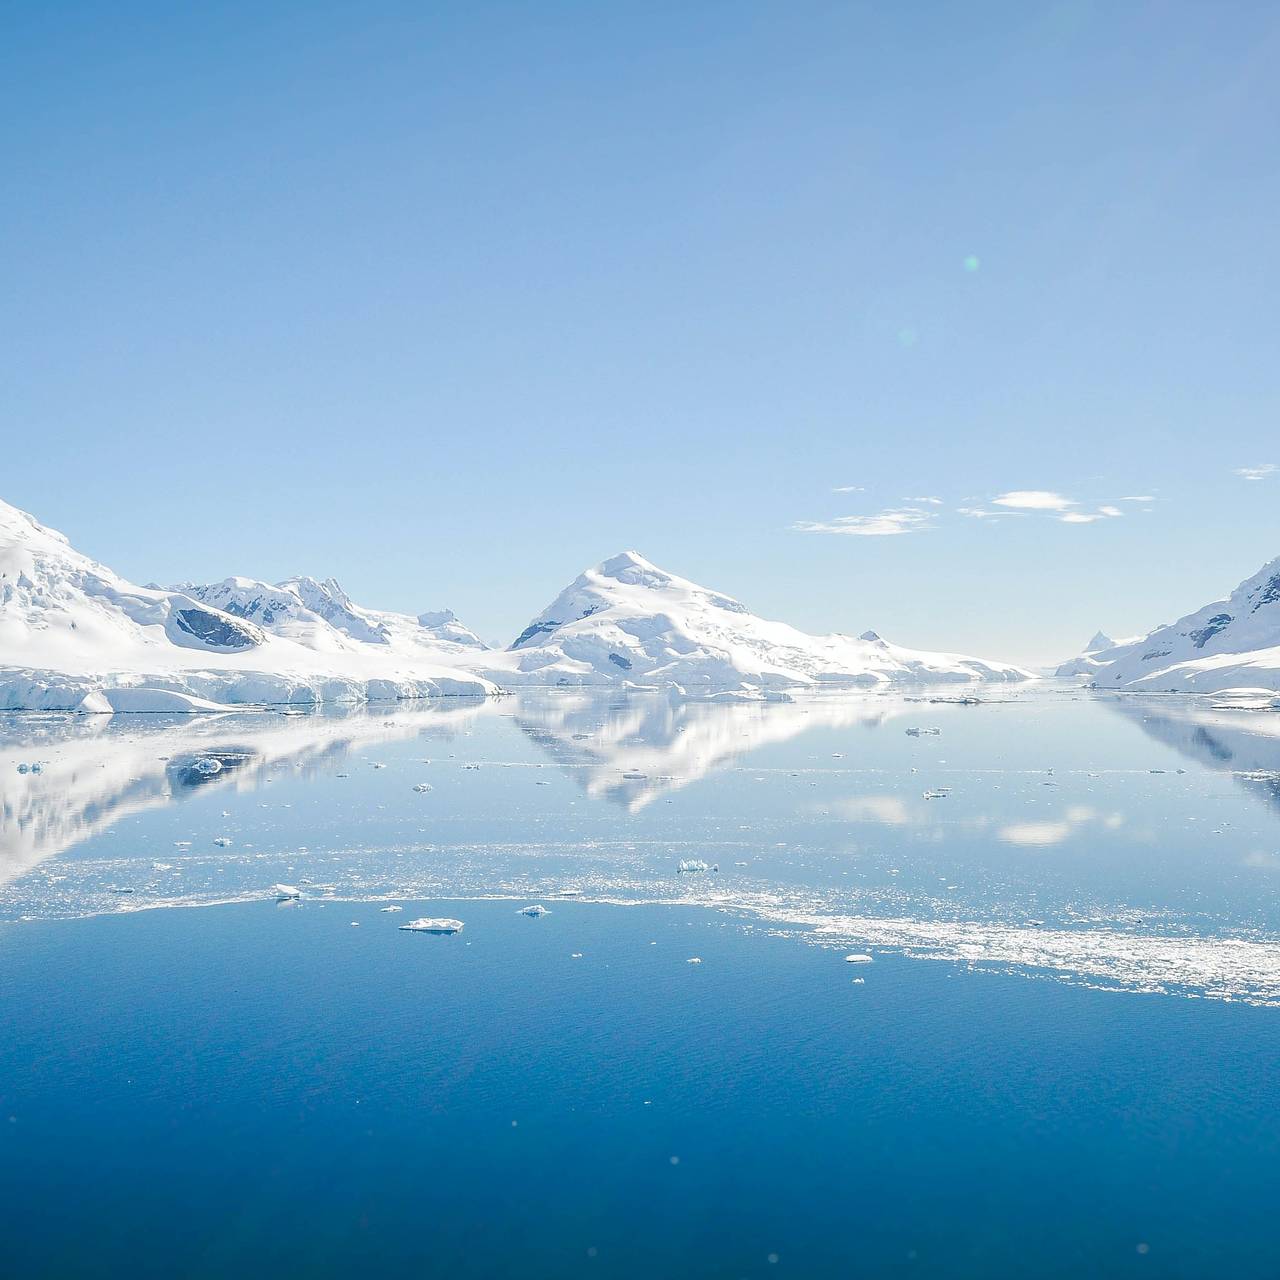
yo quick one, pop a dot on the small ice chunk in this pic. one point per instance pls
(432, 924)
(537, 909)
(857, 957)
(223, 842)
(392, 908)
(207, 766)
(286, 891)
(687, 865)
(694, 960)
(422, 787)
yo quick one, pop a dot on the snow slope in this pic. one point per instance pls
(76, 636)
(1086, 662)
(322, 616)
(1228, 644)
(628, 622)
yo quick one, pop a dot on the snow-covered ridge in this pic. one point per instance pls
(76, 636)
(626, 621)
(322, 616)
(1228, 644)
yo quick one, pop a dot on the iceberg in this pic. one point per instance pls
(429, 924)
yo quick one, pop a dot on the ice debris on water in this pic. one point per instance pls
(222, 842)
(286, 891)
(207, 766)
(857, 957)
(937, 793)
(694, 960)
(915, 732)
(392, 908)
(431, 924)
(687, 865)
(422, 787)
(537, 909)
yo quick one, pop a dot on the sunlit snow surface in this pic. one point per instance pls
(1122, 842)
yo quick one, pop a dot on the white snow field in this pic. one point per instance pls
(1229, 644)
(76, 636)
(628, 622)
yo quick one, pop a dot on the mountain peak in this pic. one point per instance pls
(627, 562)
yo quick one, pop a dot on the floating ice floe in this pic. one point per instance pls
(694, 960)
(422, 787)
(537, 909)
(222, 842)
(916, 732)
(568, 893)
(431, 924)
(687, 865)
(937, 793)
(286, 891)
(392, 909)
(207, 766)
(857, 957)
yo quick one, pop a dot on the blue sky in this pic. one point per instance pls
(452, 300)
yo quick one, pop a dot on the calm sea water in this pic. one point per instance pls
(1060, 1060)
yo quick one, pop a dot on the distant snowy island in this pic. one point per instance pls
(76, 636)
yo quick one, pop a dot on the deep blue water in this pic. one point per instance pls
(254, 1091)
(1061, 1061)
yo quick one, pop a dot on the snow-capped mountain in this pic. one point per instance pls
(75, 635)
(322, 616)
(1231, 643)
(1086, 661)
(628, 622)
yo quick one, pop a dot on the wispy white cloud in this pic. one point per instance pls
(933, 502)
(1259, 472)
(883, 524)
(1136, 497)
(1034, 500)
(849, 488)
(1081, 517)
(1110, 511)
(981, 513)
